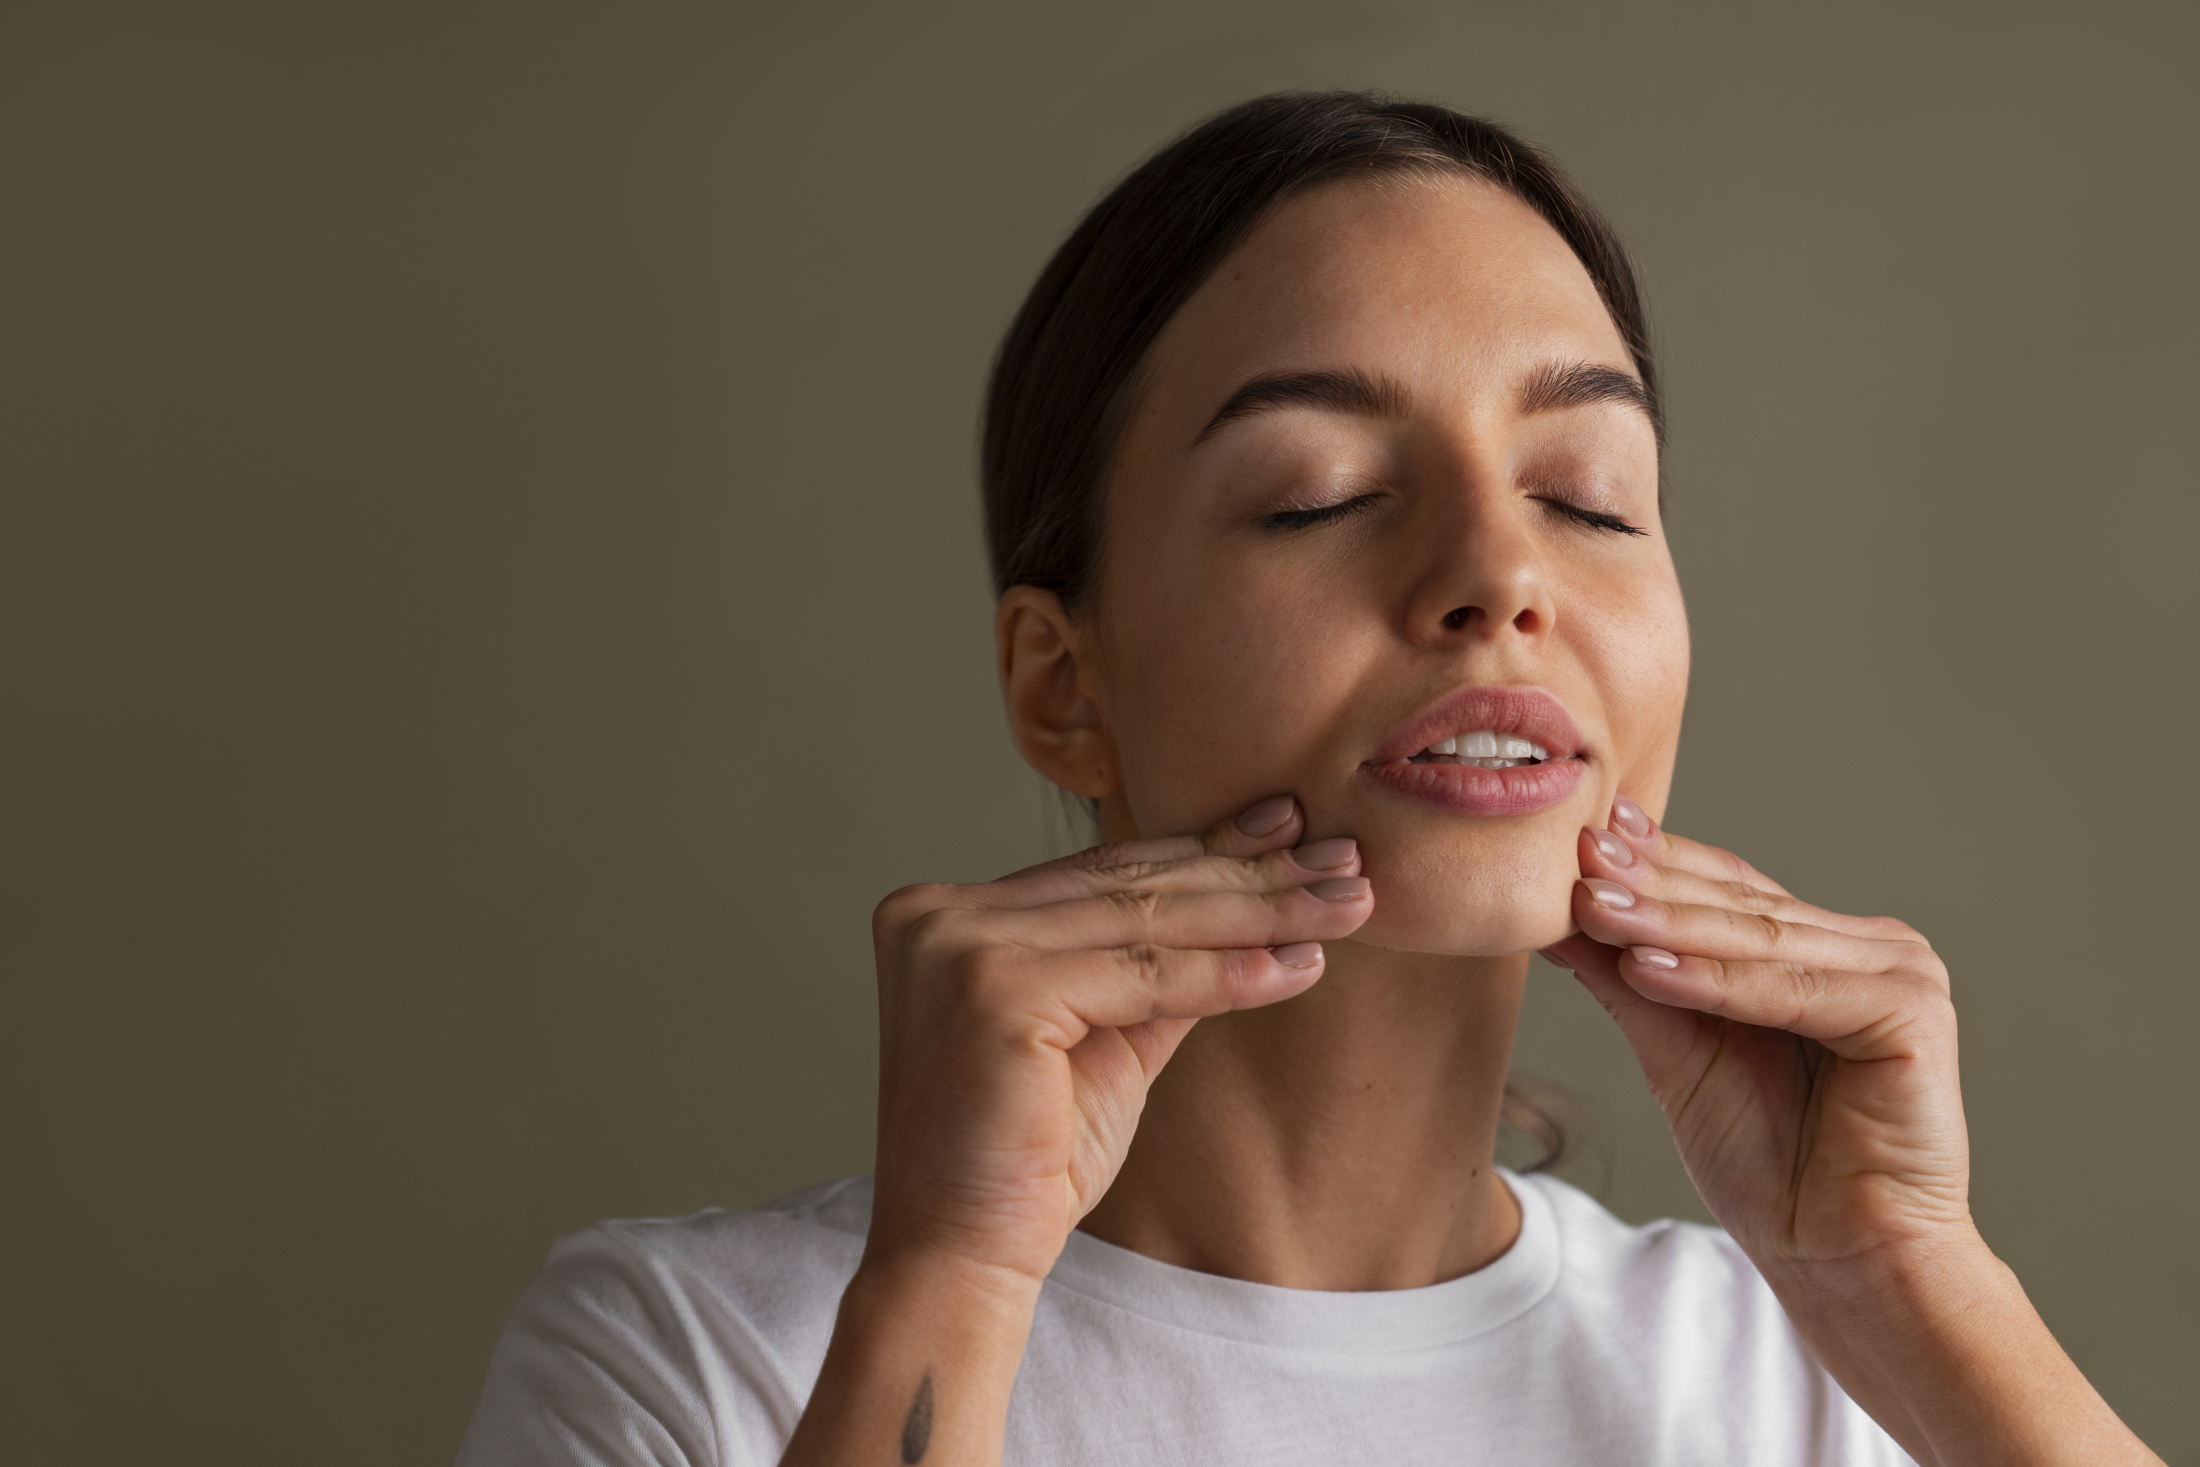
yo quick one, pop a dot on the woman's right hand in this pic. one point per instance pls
(1021, 1020)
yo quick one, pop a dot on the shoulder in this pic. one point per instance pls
(1666, 1263)
(764, 1263)
(690, 1339)
(1677, 1321)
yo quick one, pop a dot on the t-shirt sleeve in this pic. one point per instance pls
(600, 1366)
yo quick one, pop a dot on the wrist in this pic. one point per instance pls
(960, 1296)
(1936, 1339)
(923, 1356)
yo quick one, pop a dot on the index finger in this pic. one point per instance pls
(1271, 825)
(1631, 823)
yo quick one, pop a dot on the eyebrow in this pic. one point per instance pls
(1350, 390)
(1580, 384)
(1347, 390)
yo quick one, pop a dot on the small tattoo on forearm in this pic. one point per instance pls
(916, 1432)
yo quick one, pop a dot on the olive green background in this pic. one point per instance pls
(492, 597)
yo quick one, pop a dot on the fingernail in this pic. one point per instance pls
(1267, 817)
(1553, 959)
(1327, 855)
(1628, 816)
(1298, 954)
(1612, 848)
(1654, 957)
(1608, 893)
(1340, 888)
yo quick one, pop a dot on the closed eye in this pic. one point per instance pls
(1595, 517)
(1300, 519)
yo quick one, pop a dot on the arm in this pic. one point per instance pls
(1807, 1062)
(1020, 1024)
(1942, 1347)
(923, 1355)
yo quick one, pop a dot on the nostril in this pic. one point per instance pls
(1457, 618)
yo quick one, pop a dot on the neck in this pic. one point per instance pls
(1341, 1140)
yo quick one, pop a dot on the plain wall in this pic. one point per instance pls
(492, 597)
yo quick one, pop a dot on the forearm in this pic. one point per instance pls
(923, 1355)
(1942, 1347)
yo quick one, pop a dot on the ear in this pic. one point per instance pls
(1050, 682)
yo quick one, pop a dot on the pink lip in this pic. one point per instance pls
(1463, 789)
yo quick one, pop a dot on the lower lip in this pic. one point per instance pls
(1468, 789)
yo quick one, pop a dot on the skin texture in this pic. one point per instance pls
(1229, 660)
(1263, 1031)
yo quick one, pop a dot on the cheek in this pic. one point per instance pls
(1218, 700)
(1647, 771)
(1641, 655)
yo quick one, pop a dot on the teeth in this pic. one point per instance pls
(1488, 749)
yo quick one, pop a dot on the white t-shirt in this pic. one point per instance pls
(696, 1340)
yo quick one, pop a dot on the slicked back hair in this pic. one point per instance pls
(1066, 370)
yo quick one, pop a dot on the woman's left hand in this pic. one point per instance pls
(1807, 1063)
(1806, 1059)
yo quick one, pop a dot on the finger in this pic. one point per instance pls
(1614, 914)
(1605, 856)
(1069, 994)
(1227, 857)
(1328, 908)
(1646, 837)
(1266, 826)
(1859, 1016)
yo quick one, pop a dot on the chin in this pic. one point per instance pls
(1472, 899)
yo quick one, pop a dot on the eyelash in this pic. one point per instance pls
(1302, 519)
(1595, 518)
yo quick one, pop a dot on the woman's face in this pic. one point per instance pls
(1388, 481)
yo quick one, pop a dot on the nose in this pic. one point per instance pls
(1484, 579)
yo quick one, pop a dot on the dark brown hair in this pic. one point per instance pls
(1068, 366)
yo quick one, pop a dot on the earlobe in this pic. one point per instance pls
(1053, 715)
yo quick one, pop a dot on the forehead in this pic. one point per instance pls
(1451, 285)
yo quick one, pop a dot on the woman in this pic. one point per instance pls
(1322, 485)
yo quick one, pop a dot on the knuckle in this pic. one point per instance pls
(1934, 990)
(936, 934)
(1807, 983)
(1770, 930)
(1752, 899)
(901, 907)
(1132, 872)
(1116, 855)
(1141, 962)
(1135, 902)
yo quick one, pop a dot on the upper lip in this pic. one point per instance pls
(1530, 713)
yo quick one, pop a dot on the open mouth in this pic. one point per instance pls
(1519, 754)
(1484, 749)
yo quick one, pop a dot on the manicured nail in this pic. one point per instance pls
(1553, 959)
(1612, 848)
(1340, 888)
(1628, 816)
(1299, 954)
(1654, 957)
(1267, 817)
(1608, 893)
(1327, 855)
